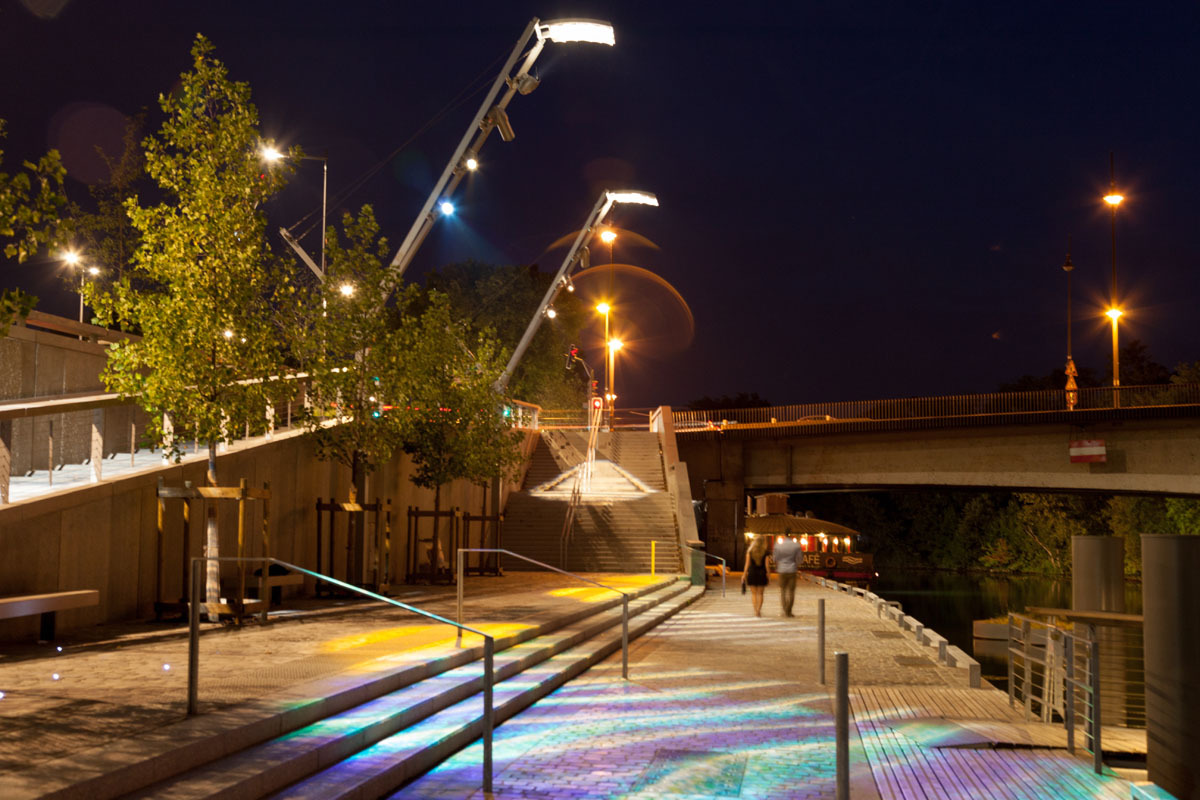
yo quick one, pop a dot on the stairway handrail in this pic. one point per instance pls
(724, 566)
(489, 641)
(624, 595)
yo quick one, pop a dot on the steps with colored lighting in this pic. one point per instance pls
(615, 523)
(254, 752)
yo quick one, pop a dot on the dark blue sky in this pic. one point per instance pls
(859, 200)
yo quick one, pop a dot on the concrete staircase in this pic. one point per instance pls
(363, 735)
(627, 508)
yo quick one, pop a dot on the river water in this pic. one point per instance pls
(948, 602)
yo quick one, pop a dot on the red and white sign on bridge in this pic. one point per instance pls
(1085, 451)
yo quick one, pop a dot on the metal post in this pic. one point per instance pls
(842, 724)
(1027, 670)
(625, 636)
(653, 557)
(1097, 747)
(1069, 690)
(50, 453)
(1010, 661)
(194, 636)
(458, 619)
(723, 571)
(821, 641)
(489, 647)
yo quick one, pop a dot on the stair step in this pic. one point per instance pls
(387, 764)
(274, 764)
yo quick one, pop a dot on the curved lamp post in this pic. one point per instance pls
(575, 255)
(492, 114)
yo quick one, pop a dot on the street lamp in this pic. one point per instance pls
(613, 346)
(562, 278)
(272, 155)
(72, 259)
(605, 309)
(492, 114)
(1114, 310)
(1072, 387)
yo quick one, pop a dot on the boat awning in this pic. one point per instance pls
(790, 525)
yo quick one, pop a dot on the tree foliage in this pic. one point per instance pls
(201, 283)
(106, 234)
(344, 337)
(31, 205)
(501, 300)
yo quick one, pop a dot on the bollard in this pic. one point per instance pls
(194, 636)
(459, 581)
(842, 724)
(625, 636)
(821, 641)
(489, 719)
(653, 557)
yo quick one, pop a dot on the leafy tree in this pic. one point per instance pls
(107, 235)
(200, 286)
(502, 300)
(1138, 367)
(453, 425)
(31, 205)
(344, 337)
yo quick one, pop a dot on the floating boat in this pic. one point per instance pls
(830, 550)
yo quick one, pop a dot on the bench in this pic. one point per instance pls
(47, 605)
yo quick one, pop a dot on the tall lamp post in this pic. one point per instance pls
(1072, 387)
(492, 114)
(575, 256)
(613, 346)
(272, 155)
(606, 309)
(1114, 312)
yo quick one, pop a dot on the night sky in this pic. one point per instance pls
(859, 200)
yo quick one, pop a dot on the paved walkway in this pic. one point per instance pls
(722, 704)
(123, 681)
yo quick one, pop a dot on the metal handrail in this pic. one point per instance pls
(489, 642)
(912, 408)
(724, 566)
(624, 595)
(1089, 686)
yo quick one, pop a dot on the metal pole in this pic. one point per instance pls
(489, 647)
(723, 571)
(1097, 748)
(324, 195)
(653, 557)
(1027, 667)
(821, 641)
(1069, 689)
(194, 636)
(458, 619)
(842, 724)
(625, 636)
(1010, 661)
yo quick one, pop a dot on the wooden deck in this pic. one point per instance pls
(932, 742)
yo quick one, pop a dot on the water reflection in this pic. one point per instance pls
(949, 602)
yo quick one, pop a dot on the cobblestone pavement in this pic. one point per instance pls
(719, 704)
(125, 680)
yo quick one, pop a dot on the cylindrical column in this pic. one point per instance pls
(489, 647)
(821, 641)
(1171, 605)
(625, 636)
(842, 724)
(194, 636)
(1098, 573)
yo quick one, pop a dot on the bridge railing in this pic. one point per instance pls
(947, 406)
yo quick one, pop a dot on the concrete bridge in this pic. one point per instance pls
(1149, 442)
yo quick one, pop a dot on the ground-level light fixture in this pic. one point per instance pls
(493, 116)
(573, 259)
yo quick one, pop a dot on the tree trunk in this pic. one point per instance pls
(358, 522)
(212, 545)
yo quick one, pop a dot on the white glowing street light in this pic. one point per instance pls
(72, 259)
(492, 115)
(562, 278)
(613, 346)
(271, 154)
(347, 289)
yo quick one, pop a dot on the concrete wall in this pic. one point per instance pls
(104, 536)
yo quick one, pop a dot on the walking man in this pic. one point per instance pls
(785, 555)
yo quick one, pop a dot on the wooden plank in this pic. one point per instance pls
(29, 604)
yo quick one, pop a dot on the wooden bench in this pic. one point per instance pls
(47, 605)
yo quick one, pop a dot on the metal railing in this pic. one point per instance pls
(966, 406)
(1067, 670)
(197, 603)
(624, 595)
(581, 483)
(724, 566)
(575, 418)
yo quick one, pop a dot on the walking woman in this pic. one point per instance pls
(755, 574)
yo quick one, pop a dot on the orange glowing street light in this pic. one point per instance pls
(1114, 311)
